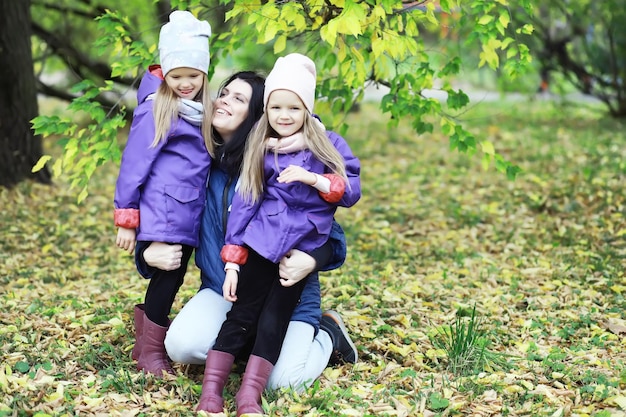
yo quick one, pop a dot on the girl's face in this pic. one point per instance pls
(285, 112)
(186, 82)
(231, 108)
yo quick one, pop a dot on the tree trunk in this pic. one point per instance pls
(20, 149)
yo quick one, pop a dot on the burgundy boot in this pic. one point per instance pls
(139, 313)
(153, 358)
(254, 380)
(216, 371)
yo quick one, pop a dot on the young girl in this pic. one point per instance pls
(294, 176)
(160, 189)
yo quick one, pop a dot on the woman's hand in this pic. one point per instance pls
(229, 288)
(295, 266)
(126, 239)
(163, 256)
(295, 173)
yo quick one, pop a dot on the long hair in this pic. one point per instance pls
(166, 113)
(230, 154)
(315, 139)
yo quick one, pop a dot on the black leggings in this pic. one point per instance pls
(163, 286)
(263, 309)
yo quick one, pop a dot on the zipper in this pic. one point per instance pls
(225, 204)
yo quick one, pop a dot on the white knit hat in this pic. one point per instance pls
(296, 73)
(184, 42)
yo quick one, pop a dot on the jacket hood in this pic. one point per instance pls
(150, 82)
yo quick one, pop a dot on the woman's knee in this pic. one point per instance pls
(182, 348)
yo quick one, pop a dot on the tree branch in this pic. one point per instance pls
(51, 91)
(76, 60)
(90, 14)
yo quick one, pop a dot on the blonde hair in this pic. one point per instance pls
(315, 139)
(166, 112)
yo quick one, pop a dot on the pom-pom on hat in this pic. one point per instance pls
(184, 42)
(296, 73)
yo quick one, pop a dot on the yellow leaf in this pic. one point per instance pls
(488, 147)
(504, 18)
(621, 401)
(486, 19)
(115, 321)
(93, 402)
(298, 408)
(328, 33)
(41, 163)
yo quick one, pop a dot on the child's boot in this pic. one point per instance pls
(153, 358)
(254, 380)
(139, 313)
(216, 371)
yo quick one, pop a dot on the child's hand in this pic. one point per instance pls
(230, 285)
(295, 173)
(126, 239)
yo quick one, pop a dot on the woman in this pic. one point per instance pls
(306, 351)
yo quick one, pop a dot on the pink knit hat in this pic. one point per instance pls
(296, 73)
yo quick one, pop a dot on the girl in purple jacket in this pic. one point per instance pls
(294, 176)
(160, 189)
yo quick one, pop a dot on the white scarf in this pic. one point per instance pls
(191, 111)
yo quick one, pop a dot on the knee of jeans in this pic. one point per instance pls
(180, 350)
(282, 379)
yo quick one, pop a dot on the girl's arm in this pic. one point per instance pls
(137, 160)
(240, 215)
(352, 192)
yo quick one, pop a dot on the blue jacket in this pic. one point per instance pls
(293, 214)
(161, 188)
(220, 192)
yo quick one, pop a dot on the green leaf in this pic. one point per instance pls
(22, 367)
(437, 401)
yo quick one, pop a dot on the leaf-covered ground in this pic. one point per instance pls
(541, 259)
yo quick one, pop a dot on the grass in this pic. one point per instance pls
(541, 259)
(466, 345)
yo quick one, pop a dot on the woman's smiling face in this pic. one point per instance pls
(231, 108)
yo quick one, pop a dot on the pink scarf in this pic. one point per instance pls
(289, 144)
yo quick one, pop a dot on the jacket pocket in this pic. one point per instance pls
(183, 209)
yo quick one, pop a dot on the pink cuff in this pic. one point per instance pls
(337, 188)
(235, 254)
(126, 218)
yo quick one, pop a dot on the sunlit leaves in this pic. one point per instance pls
(379, 43)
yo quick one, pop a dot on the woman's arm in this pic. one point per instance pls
(331, 255)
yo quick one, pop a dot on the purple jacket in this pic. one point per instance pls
(161, 190)
(291, 216)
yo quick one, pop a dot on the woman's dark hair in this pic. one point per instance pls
(229, 155)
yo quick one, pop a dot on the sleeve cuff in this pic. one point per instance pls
(235, 254)
(126, 218)
(231, 265)
(337, 188)
(322, 184)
